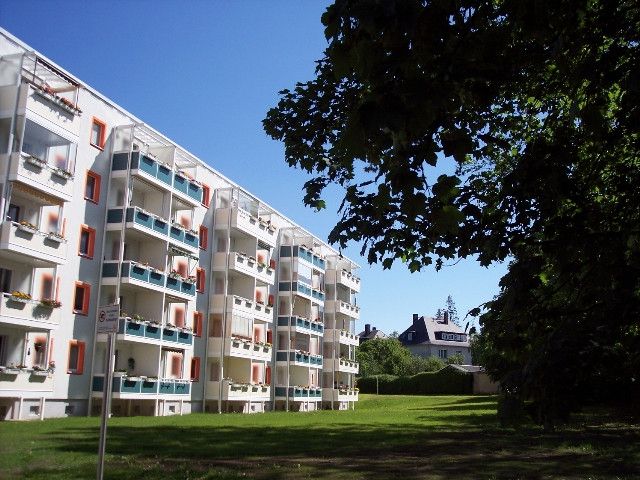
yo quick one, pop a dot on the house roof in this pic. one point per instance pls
(372, 334)
(424, 330)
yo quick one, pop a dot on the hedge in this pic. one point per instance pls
(446, 381)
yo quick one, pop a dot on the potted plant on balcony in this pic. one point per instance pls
(50, 303)
(39, 371)
(176, 274)
(137, 318)
(21, 297)
(28, 227)
(35, 161)
(56, 237)
(52, 366)
(62, 173)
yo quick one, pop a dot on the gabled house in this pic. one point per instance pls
(427, 337)
(370, 333)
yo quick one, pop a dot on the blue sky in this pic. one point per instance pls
(204, 73)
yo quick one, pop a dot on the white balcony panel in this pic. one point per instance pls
(340, 365)
(238, 391)
(341, 336)
(245, 264)
(41, 177)
(243, 306)
(28, 313)
(342, 277)
(18, 382)
(343, 308)
(339, 395)
(239, 348)
(33, 247)
(243, 221)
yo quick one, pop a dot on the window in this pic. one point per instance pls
(442, 353)
(92, 187)
(76, 357)
(206, 195)
(197, 323)
(13, 213)
(204, 237)
(5, 280)
(98, 133)
(195, 369)
(87, 241)
(200, 280)
(81, 298)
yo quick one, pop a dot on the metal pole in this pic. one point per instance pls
(377, 393)
(106, 405)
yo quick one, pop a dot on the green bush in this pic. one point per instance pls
(446, 381)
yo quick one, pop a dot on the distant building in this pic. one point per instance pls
(370, 333)
(438, 338)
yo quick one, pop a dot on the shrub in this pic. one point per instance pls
(446, 381)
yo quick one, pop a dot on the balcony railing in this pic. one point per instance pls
(247, 223)
(300, 358)
(146, 166)
(342, 307)
(246, 264)
(342, 336)
(303, 253)
(345, 278)
(29, 313)
(300, 393)
(238, 304)
(15, 380)
(155, 225)
(42, 249)
(340, 394)
(126, 385)
(302, 288)
(149, 277)
(299, 323)
(55, 182)
(238, 391)
(150, 331)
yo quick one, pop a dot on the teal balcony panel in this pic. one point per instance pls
(149, 386)
(167, 388)
(173, 284)
(148, 165)
(139, 273)
(188, 288)
(161, 226)
(185, 338)
(194, 191)
(153, 331)
(164, 174)
(181, 183)
(191, 239)
(156, 278)
(176, 233)
(114, 215)
(169, 334)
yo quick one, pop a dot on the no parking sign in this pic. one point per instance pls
(108, 318)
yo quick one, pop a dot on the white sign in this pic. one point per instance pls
(108, 318)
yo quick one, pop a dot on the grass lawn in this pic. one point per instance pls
(385, 437)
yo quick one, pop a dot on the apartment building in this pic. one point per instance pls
(225, 303)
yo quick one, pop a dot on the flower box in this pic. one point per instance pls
(62, 173)
(55, 237)
(27, 227)
(35, 161)
(50, 303)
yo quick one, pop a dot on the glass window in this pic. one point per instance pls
(98, 130)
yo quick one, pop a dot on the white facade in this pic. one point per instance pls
(226, 304)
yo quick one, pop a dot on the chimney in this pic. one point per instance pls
(367, 329)
(374, 329)
(415, 318)
(446, 318)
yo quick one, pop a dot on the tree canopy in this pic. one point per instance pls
(498, 130)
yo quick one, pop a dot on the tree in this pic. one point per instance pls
(455, 359)
(383, 355)
(535, 109)
(439, 315)
(452, 311)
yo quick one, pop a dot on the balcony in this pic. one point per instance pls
(238, 391)
(300, 393)
(302, 325)
(150, 224)
(302, 289)
(28, 313)
(163, 176)
(342, 365)
(33, 246)
(140, 387)
(247, 223)
(345, 278)
(180, 287)
(237, 305)
(302, 359)
(246, 264)
(300, 252)
(150, 332)
(340, 394)
(133, 273)
(341, 307)
(240, 347)
(55, 183)
(15, 382)
(341, 336)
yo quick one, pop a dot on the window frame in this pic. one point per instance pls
(86, 299)
(203, 235)
(103, 133)
(91, 243)
(200, 280)
(195, 369)
(79, 367)
(198, 318)
(97, 178)
(206, 195)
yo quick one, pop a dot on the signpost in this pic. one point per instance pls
(108, 316)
